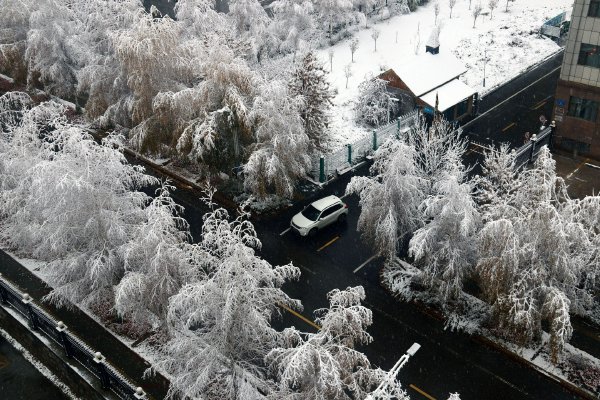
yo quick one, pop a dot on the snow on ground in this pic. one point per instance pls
(512, 41)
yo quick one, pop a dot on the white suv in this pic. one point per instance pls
(319, 214)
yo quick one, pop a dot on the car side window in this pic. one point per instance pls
(331, 210)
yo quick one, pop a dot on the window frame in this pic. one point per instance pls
(589, 55)
(579, 106)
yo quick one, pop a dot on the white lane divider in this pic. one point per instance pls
(284, 232)
(365, 263)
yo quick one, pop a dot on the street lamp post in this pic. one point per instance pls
(391, 375)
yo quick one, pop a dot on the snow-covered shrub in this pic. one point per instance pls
(375, 105)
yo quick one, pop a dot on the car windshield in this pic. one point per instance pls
(311, 213)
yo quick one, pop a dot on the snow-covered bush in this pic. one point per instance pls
(70, 201)
(374, 105)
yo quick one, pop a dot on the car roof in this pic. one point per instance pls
(325, 202)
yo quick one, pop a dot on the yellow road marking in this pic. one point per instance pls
(298, 315)
(328, 243)
(577, 168)
(416, 389)
(538, 105)
(509, 126)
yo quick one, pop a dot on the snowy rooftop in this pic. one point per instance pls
(450, 94)
(429, 71)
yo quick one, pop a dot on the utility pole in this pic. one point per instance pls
(391, 375)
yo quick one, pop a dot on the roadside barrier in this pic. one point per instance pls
(74, 348)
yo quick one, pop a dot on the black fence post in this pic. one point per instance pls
(3, 297)
(533, 142)
(32, 318)
(99, 360)
(62, 332)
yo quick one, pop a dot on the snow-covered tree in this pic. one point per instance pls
(374, 105)
(492, 4)
(353, 47)
(326, 364)
(390, 198)
(438, 152)
(451, 4)
(292, 25)
(534, 253)
(51, 54)
(156, 263)
(436, 11)
(14, 20)
(280, 156)
(219, 123)
(72, 202)
(249, 16)
(444, 248)
(220, 321)
(347, 73)
(507, 3)
(309, 81)
(476, 12)
(375, 35)
(332, 13)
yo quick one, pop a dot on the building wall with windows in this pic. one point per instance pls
(577, 100)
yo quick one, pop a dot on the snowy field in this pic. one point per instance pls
(512, 41)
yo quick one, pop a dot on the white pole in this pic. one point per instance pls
(391, 375)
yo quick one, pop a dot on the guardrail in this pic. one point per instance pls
(74, 348)
(327, 165)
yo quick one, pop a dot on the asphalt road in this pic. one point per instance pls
(447, 362)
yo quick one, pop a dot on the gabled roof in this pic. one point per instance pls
(429, 71)
(448, 95)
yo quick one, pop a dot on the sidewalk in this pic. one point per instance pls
(129, 363)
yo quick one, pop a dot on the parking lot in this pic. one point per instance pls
(581, 174)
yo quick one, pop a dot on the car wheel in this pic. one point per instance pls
(342, 218)
(312, 232)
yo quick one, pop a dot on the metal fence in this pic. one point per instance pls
(324, 167)
(73, 347)
(528, 152)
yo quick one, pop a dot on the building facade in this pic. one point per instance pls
(577, 101)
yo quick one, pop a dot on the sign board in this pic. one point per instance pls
(561, 102)
(428, 110)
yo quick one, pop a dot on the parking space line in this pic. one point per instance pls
(298, 315)
(328, 243)
(345, 195)
(509, 126)
(416, 389)
(284, 232)
(365, 263)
